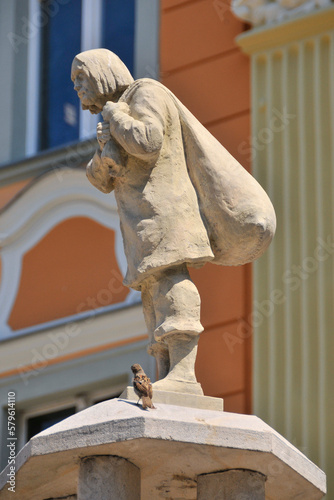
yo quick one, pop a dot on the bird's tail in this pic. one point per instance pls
(147, 402)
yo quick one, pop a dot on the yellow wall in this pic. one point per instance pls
(293, 125)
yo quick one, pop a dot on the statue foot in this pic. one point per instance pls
(182, 349)
(183, 386)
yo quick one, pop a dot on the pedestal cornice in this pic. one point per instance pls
(170, 444)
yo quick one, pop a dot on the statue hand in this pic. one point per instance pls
(108, 109)
(103, 133)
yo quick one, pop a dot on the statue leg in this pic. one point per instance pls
(157, 349)
(176, 303)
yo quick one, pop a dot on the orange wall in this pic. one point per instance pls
(71, 270)
(203, 66)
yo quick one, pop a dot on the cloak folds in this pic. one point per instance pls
(237, 213)
(181, 196)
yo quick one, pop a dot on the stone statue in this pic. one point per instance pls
(183, 200)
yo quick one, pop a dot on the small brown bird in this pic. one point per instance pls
(142, 386)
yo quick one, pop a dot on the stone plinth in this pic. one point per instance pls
(172, 446)
(178, 399)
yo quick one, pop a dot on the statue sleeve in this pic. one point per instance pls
(140, 131)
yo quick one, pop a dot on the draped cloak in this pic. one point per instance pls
(181, 196)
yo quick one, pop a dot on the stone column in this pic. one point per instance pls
(108, 478)
(236, 484)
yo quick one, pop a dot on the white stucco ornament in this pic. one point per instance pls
(182, 199)
(257, 12)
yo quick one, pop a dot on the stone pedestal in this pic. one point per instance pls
(180, 453)
(178, 399)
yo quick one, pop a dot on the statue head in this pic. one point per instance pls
(99, 76)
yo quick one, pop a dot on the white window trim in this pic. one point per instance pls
(91, 31)
(147, 39)
(33, 84)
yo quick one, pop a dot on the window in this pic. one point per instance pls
(38, 424)
(61, 41)
(118, 18)
(74, 26)
(63, 28)
(41, 109)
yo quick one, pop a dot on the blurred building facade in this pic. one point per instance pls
(291, 49)
(69, 329)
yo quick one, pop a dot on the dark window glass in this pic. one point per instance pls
(119, 29)
(42, 422)
(61, 41)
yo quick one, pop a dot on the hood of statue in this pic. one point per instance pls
(262, 12)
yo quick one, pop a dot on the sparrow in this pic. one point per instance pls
(142, 386)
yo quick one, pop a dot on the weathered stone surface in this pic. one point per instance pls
(171, 445)
(108, 478)
(231, 485)
(183, 200)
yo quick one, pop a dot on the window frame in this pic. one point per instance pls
(146, 60)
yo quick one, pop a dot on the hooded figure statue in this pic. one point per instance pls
(183, 200)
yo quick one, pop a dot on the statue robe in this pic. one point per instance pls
(181, 196)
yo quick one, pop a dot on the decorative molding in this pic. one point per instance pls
(54, 197)
(68, 156)
(76, 339)
(262, 12)
(265, 38)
